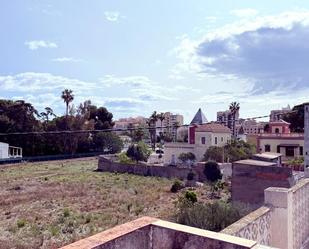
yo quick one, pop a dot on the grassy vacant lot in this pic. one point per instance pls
(50, 204)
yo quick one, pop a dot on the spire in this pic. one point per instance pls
(199, 118)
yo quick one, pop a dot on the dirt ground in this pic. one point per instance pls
(51, 204)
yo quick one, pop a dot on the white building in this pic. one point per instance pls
(7, 151)
(201, 137)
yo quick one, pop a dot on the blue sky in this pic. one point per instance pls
(138, 56)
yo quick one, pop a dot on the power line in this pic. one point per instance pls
(123, 129)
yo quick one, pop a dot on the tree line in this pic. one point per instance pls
(21, 116)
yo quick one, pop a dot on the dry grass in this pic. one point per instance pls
(50, 204)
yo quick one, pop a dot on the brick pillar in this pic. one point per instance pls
(306, 148)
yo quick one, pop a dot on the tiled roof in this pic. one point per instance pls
(213, 127)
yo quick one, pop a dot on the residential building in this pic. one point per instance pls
(276, 115)
(169, 124)
(124, 123)
(226, 118)
(251, 126)
(200, 138)
(279, 139)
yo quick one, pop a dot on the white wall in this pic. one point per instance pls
(4, 151)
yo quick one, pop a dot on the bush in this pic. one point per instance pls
(187, 157)
(191, 196)
(21, 223)
(212, 171)
(138, 152)
(66, 212)
(210, 216)
(123, 158)
(214, 153)
(110, 142)
(191, 176)
(177, 185)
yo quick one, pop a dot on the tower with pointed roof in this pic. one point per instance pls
(199, 118)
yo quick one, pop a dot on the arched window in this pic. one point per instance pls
(267, 148)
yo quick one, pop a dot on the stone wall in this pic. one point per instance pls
(255, 226)
(250, 181)
(106, 165)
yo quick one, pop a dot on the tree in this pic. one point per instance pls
(214, 153)
(138, 152)
(212, 171)
(238, 150)
(48, 112)
(151, 122)
(102, 117)
(161, 117)
(188, 158)
(68, 97)
(234, 108)
(296, 118)
(107, 142)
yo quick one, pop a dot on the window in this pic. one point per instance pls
(267, 148)
(203, 140)
(301, 150)
(221, 139)
(289, 151)
(216, 140)
(277, 130)
(278, 149)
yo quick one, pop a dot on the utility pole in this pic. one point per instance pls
(306, 143)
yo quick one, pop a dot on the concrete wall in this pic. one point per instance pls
(255, 226)
(290, 215)
(173, 150)
(249, 181)
(107, 165)
(4, 151)
(149, 233)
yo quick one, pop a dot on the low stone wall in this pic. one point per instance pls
(107, 165)
(255, 226)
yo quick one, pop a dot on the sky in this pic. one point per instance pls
(134, 57)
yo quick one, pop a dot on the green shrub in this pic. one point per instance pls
(191, 196)
(66, 212)
(212, 171)
(177, 185)
(138, 152)
(21, 223)
(210, 216)
(187, 157)
(123, 158)
(214, 153)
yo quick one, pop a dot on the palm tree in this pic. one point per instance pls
(234, 108)
(152, 128)
(68, 97)
(161, 117)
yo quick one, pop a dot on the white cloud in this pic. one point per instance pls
(36, 44)
(31, 82)
(66, 59)
(112, 16)
(269, 52)
(244, 13)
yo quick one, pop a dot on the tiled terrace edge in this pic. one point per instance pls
(161, 232)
